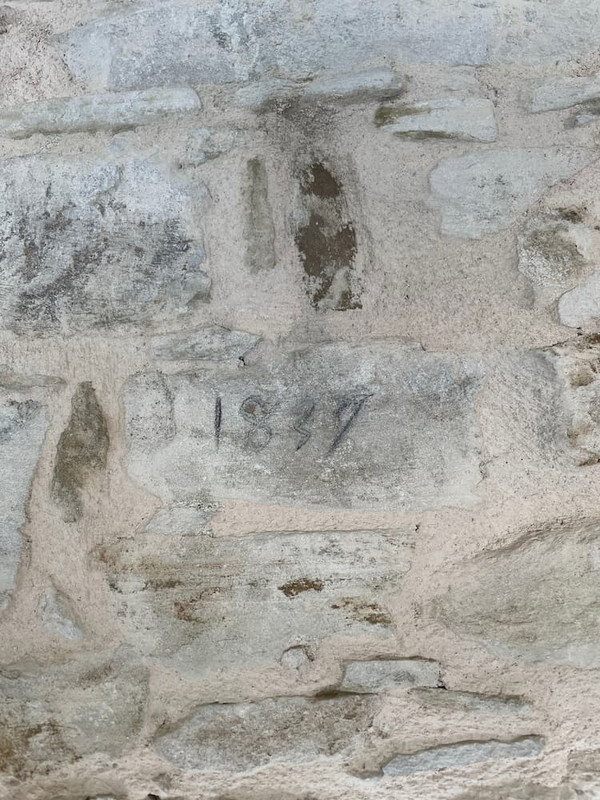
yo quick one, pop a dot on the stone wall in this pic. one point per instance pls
(299, 400)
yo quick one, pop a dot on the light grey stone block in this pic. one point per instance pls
(461, 755)
(201, 603)
(470, 119)
(96, 112)
(483, 193)
(91, 243)
(366, 677)
(371, 427)
(56, 615)
(240, 737)
(212, 343)
(581, 306)
(566, 92)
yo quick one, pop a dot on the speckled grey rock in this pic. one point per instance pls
(366, 677)
(565, 92)
(469, 119)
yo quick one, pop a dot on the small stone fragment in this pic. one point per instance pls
(565, 92)
(463, 754)
(259, 230)
(365, 677)
(207, 144)
(378, 83)
(56, 615)
(96, 112)
(581, 305)
(452, 118)
(178, 521)
(470, 702)
(81, 451)
(213, 343)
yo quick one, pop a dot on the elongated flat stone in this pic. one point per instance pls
(460, 755)
(534, 601)
(90, 243)
(364, 677)
(213, 343)
(374, 427)
(288, 730)
(200, 603)
(451, 117)
(96, 112)
(565, 92)
(483, 193)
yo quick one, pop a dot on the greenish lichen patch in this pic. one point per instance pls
(81, 451)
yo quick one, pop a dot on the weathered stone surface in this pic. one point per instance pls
(365, 677)
(55, 715)
(483, 193)
(326, 239)
(213, 343)
(236, 738)
(550, 252)
(89, 243)
(179, 520)
(81, 451)
(56, 614)
(199, 603)
(259, 230)
(463, 754)
(566, 92)
(535, 600)
(451, 117)
(96, 112)
(23, 424)
(469, 702)
(207, 144)
(581, 305)
(374, 427)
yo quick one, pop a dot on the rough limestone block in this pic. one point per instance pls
(212, 343)
(551, 251)
(91, 244)
(461, 755)
(50, 716)
(23, 425)
(566, 92)
(534, 601)
(240, 737)
(370, 427)
(96, 112)
(451, 117)
(366, 677)
(201, 603)
(483, 193)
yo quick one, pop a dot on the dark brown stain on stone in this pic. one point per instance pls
(81, 451)
(372, 613)
(294, 588)
(327, 241)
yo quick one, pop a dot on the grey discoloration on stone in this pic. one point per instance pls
(259, 230)
(236, 738)
(454, 118)
(326, 240)
(23, 424)
(96, 112)
(483, 193)
(50, 716)
(365, 677)
(372, 427)
(463, 754)
(566, 92)
(89, 244)
(56, 614)
(179, 521)
(213, 343)
(469, 702)
(81, 451)
(201, 602)
(536, 600)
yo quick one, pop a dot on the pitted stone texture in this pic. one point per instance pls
(200, 603)
(371, 427)
(92, 244)
(566, 92)
(23, 425)
(96, 112)
(463, 754)
(365, 677)
(483, 193)
(451, 117)
(535, 601)
(213, 343)
(236, 738)
(55, 715)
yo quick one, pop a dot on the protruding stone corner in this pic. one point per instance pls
(81, 451)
